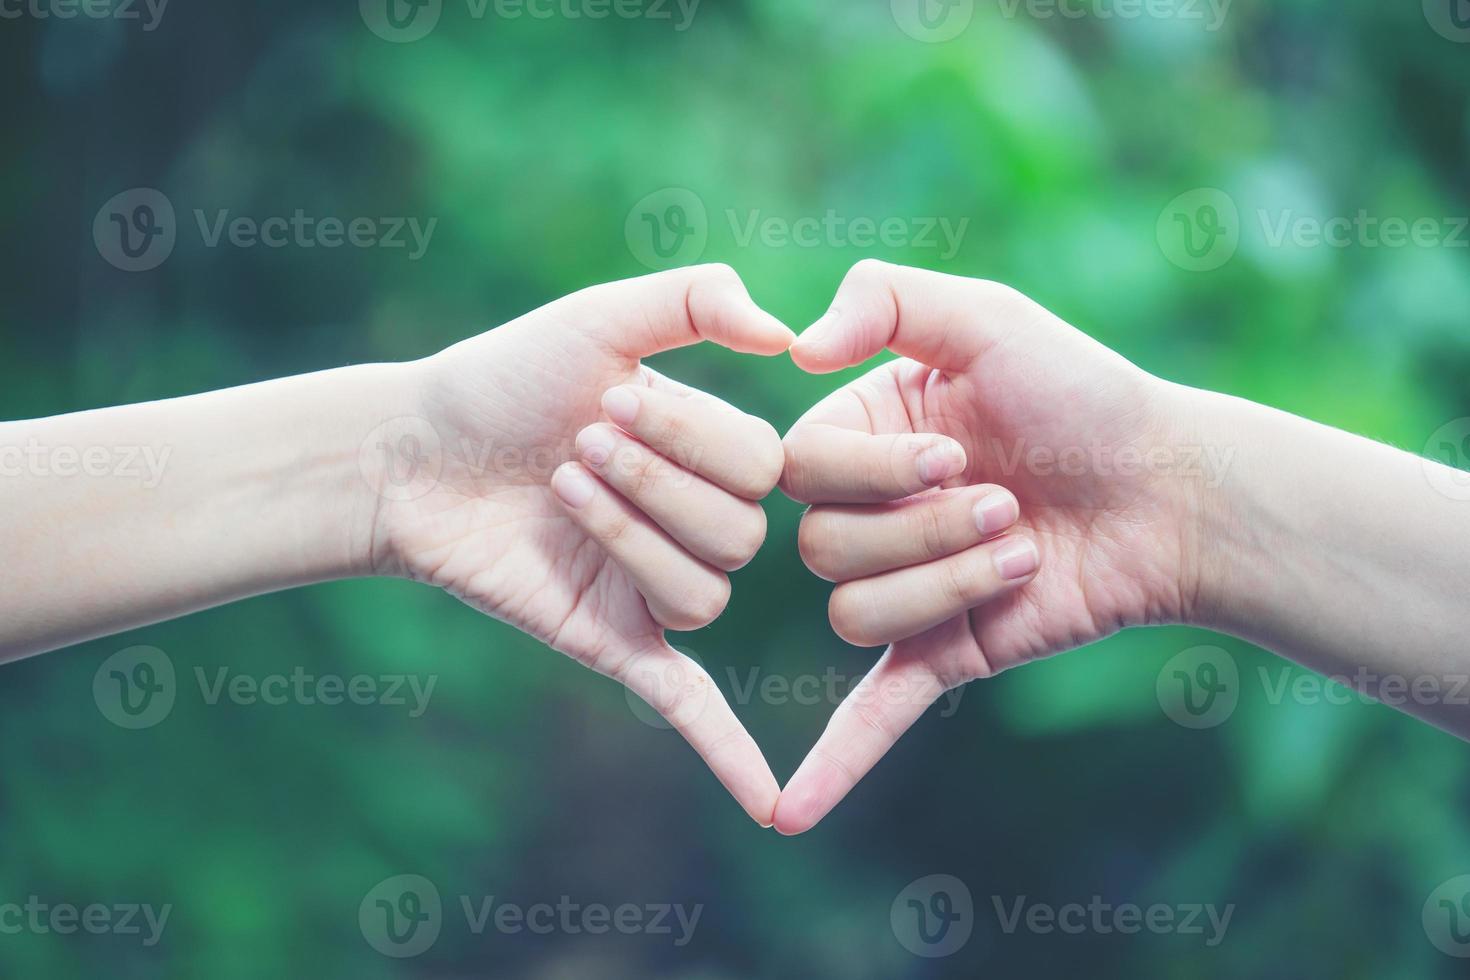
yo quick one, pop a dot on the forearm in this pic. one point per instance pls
(119, 517)
(1338, 552)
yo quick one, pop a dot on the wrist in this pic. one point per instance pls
(373, 449)
(1215, 506)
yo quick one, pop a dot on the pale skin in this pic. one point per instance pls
(1333, 550)
(538, 472)
(544, 475)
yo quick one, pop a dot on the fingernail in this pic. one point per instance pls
(940, 461)
(621, 405)
(1017, 560)
(595, 445)
(996, 511)
(573, 486)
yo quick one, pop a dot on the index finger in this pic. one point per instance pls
(882, 706)
(683, 693)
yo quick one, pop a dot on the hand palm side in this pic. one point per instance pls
(1050, 417)
(1005, 379)
(493, 418)
(507, 407)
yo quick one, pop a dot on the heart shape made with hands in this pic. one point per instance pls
(957, 576)
(635, 535)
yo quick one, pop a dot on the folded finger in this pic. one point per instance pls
(829, 464)
(895, 605)
(682, 592)
(738, 452)
(845, 542)
(711, 523)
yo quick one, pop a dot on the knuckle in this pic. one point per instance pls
(926, 526)
(669, 431)
(744, 540)
(615, 529)
(957, 582)
(868, 270)
(767, 460)
(641, 474)
(702, 604)
(721, 273)
(997, 295)
(686, 695)
(871, 716)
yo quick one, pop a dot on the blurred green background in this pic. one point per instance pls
(536, 141)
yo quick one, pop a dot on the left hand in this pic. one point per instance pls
(597, 558)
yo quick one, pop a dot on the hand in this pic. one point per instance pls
(597, 558)
(967, 579)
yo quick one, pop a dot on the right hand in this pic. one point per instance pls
(1003, 559)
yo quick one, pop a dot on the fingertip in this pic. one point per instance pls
(573, 485)
(778, 336)
(763, 811)
(796, 812)
(1017, 561)
(937, 459)
(621, 404)
(996, 510)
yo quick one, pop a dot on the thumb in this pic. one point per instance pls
(682, 307)
(940, 320)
